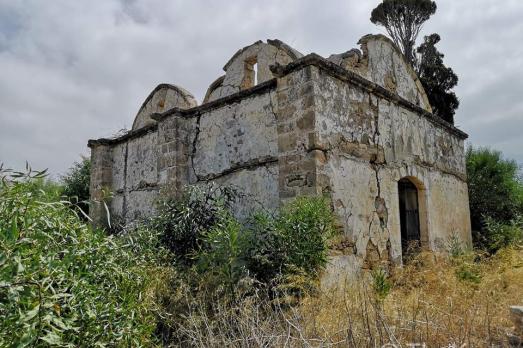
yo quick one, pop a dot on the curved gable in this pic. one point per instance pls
(249, 66)
(162, 98)
(388, 68)
(381, 62)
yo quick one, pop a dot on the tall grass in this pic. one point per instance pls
(428, 303)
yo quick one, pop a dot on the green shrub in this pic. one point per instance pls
(182, 221)
(380, 283)
(305, 225)
(468, 274)
(221, 255)
(455, 246)
(495, 189)
(64, 284)
(466, 263)
(497, 235)
(76, 184)
(53, 191)
(265, 255)
(269, 247)
(199, 228)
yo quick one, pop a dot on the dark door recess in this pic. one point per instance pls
(409, 216)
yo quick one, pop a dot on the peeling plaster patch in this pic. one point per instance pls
(375, 259)
(381, 210)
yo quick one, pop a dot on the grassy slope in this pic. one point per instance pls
(428, 303)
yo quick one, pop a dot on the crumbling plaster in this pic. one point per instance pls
(368, 150)
(350, 126)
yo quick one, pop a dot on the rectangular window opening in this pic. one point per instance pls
(250, 73)
(255, 68)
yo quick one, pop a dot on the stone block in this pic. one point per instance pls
(287, 142)
(516, 314)
(306, 121)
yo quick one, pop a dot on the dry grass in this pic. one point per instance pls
(428, 304)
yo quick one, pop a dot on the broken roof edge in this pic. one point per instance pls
(291, 52)
(127, 136)
(187, 96)
(351, 77)
(230, 99)
(279, 71)
(213, 86)
(410, 69)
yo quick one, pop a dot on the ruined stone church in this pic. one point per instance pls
(356, 126)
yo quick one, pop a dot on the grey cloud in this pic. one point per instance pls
(74, 70)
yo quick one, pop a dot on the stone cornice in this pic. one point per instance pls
(351, 77)
(127, 136)
(192, 112)
(261, 88)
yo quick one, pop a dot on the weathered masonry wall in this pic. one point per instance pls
(279, 125)
(127, 181)
(360, 138)
(135, 179)
(230, 139)
(383, 143)
(296, 122)
(365, 140)
(233, 142)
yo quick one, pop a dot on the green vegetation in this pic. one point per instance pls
(496, 199)
(403, 20)
(194, 275)
(380, 283)
(501, 234)
(437, 79)
(184, 221)
(64, 284)
(76, 184)
(204, 237)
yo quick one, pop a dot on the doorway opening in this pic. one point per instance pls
(409, 217)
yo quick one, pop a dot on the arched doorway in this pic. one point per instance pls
(409, 216)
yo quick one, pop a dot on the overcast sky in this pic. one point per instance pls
(75, 70)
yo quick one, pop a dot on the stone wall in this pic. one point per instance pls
(135, 176)
(101, 181)
(124, 176)
(296, 123)
(350, 126)
(372, 138)
(232, 142)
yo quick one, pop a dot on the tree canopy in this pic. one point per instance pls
(403, 20)
(495, 188)
(437, 79)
